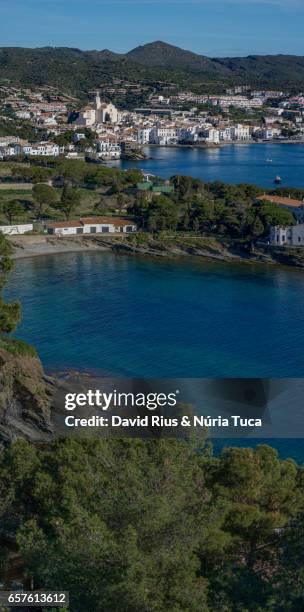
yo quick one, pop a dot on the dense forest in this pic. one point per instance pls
(155, 525)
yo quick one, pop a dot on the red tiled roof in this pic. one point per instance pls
(281, 200)
(59, 224)
(106, 220)
(116, 221)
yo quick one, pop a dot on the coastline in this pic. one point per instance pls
(213, 145)
(37, 246)
(175, 246)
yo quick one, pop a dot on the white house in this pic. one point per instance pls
(91, 225)
(287, 236)
(210, 135)
(42, 148)
(188, 134)
(108, 148)
(10, 150)
(240, 132)
(163, 135)
(225, 134)
(16, 229)
(143, 135)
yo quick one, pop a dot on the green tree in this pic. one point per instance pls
(72, 172)
(124, 530)
(9, 312)
(272, 214)
(69, 202)
(289, 580)
(196, 225)
(43, 197)
(101, 206)
(162, 213)
(121, 201)
(12, 209)
(185, 221)
(257, 229)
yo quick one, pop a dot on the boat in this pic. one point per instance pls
(269, 161)
(278, 180)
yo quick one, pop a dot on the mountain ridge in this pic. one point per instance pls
(80, 70)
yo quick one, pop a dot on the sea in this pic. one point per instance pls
(238, 163)
(132, 316)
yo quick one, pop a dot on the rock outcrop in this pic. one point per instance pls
(25, 399)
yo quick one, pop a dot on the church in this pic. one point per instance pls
(97, 112)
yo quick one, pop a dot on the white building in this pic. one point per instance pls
(98, 112)
(240, 132)
(210, 135)
(107, 148)
(10, 150)
(287, 236)
(23, 114)
(16, 229)
(42, 148)
(91, 225)
(163, 135)
(188, 134)
(225, 134)
(143, 135)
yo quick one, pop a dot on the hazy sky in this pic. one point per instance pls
(211, 27)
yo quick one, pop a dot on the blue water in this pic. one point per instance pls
(229, 163)
(143, 317)
(133, 316)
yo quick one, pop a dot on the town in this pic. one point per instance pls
(44, 130)
(44, 122)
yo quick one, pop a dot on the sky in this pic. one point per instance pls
(216, 28)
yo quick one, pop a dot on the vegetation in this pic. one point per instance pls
(17, 347)
(70, 201)
(62, 189)
(22, 128)
(44, 196)
(214, 209)
(80, 71)
(156, 525)
(9, 312)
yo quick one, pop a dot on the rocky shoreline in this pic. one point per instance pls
(203, 247)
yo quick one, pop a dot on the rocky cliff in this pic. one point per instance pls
(25, 399)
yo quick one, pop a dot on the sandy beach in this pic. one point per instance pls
(34, 246)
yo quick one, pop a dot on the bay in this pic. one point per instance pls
(183, 317)
(238, 163)
(164, 318)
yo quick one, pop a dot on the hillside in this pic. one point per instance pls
(168, 56)
(79, 71)
(284, 70)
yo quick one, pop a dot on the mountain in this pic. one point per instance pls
(284, 69)
(167, 56)
(79, 71)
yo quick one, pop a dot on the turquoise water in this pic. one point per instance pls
(132, 316)
(229, 163)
